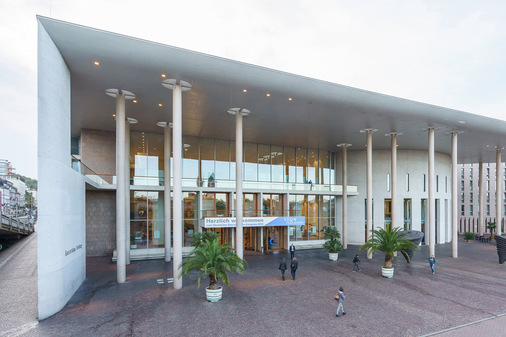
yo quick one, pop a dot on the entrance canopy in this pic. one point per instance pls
(287, 109)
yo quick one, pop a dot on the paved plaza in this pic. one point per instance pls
(258, 303)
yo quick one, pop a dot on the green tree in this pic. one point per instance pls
(388, 241)
(332, 235)
(213, 260)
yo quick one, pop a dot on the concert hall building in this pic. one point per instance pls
(141, 144)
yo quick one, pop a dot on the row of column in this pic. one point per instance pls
(123, 179)
(431, 188)
(177, 87)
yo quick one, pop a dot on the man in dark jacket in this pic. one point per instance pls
(294, 266)
(356, 262)
(292, 251)
(282, 267)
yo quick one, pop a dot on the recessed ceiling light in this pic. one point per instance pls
(289, 98)
(163, 75)
(96, 63)
(488, 145)
(160, 104)
(114, 115)
(244, 90)
(135, 101)
(268, 95)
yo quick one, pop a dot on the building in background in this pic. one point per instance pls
(6, 168)
(469, 196)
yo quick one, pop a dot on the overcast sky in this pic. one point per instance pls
(444, 52)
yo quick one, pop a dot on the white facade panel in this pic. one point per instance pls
(61, 223)
(414, 163)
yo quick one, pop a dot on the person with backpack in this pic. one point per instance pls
(340, 299)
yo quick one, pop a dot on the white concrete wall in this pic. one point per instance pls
(61, 223)
(413, 162)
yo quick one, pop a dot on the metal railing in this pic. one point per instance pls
(109, 179)
(14, 225)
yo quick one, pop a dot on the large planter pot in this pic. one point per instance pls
(213, 295)
(387, 272)
(333, 256)
(415, 237)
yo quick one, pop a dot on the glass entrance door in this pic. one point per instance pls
(146, 220)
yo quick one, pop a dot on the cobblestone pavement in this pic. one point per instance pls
(258, 303)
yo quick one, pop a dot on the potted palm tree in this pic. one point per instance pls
(214, 260)
(389, 241)
(468, 236)
(491, 226)
(332, 245)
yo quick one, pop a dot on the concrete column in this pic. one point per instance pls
(369, 133)
(498, 192)
(120, 96)
(239, 113)
(127, 192)
(344, 211)
(393, 179)
(166, 187)
(455, 217)
(231, 230)
(177, 88)
(260, 213)
(481, 194)
(127, 186)
(432, 200)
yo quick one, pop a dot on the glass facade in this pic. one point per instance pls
(210, 163)
(319, 211)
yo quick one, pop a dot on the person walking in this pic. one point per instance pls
(340, 299)
(293, 267)
(356, 262)
(283, 268)
(292, 251)
(432, 262)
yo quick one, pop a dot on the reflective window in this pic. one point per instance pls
(215, 205)
(146, 158)
(250, 205)
(264, 162)
(312, 223)
(272, 205)
(289, 164)
(277, 164)
(190, 157)
(222, 160)
(146, 220)
(324, 167)
(332, 168)
(190, 206)
(250, 162)
(296, 204)
(312, 166)
(207, 161)
(301, 168)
